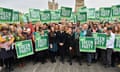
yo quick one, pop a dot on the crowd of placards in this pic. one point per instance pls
(42, 35)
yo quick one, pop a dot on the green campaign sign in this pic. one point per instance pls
(24, 48)
(100, 40)
(116, 11)
(96, 15)
(66, 12)
(87, 44)
(25, 17)
(15, 16)
(41, 42)
(55, 16)
(117, 43)
(105, 13)
(6, 15)
(72, 18)
(82, 17)
(91, 13)
(34, 14)
(45, 16)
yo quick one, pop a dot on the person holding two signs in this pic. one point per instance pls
(6, 40)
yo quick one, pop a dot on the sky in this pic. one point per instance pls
(24, 5)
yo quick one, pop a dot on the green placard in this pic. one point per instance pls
(55, 16)
(15, 16)
(87, 44)
(25, 17)
(97, 16)
(82, 17)
(82, 9)
(73, 18)
(117, 43)
(66, 12)
(34, 15)
(6, 15)
(100, 40)
(116, 12)
(41, 42)
(45, 16)
(24, 48)
(91, 14)
(105, 13)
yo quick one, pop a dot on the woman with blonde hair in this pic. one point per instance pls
(6, 40)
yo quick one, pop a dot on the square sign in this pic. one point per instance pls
(66, 12)
(34, 15)
(6, 15)
(87, 44)
(82, 17)
(45, 16)
(24, 48)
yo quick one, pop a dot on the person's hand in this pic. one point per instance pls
(70, 48)
(61, 44)
(51, 46)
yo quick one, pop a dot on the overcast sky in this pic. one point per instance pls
(24, 5)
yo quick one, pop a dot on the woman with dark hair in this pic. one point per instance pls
(116, 29)
(52, 44)
(69, 42)
(6, 40)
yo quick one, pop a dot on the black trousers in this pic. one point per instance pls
(1, 62)
(70, 56)
(43, 56)
(52, 56)
(62, 53)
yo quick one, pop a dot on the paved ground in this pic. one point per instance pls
(59, 67)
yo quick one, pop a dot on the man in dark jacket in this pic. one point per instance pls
(61, 42)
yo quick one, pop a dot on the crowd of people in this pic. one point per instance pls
(63, 41)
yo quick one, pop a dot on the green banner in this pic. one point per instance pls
(100, 40)
(105, 13)
(41, 42)
(34, 15)
(6, 15)
(87, 44)
(82, 17)
(24, 48)
(117, 43)
(15, 16)
(97, 16)
(91, 13)
(55, 16)
(66, 12)
(45, 16)
(116, 12)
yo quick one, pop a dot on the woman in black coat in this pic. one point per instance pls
(52, 44)
(70, 44)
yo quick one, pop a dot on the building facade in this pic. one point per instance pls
(52, 5)
(78, 4)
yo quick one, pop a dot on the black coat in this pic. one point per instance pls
(69, 42)
(61, 37)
